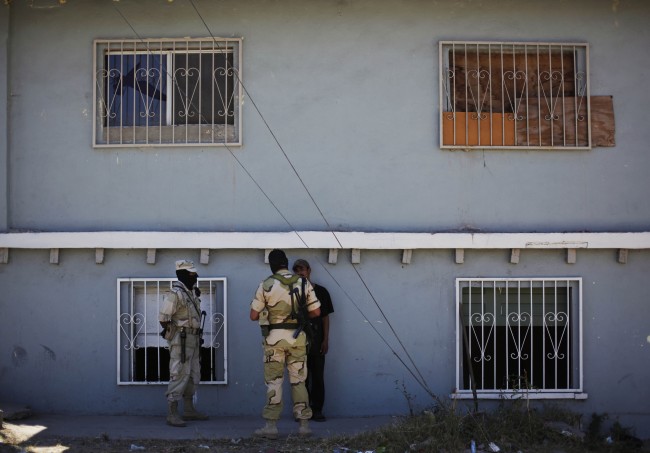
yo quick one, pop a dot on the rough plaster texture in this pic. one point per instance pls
(58, 329)
(350, 89)
(4, 35)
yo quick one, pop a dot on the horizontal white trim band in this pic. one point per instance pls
(321, 240)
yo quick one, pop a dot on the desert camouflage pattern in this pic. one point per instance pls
(281, 349)
(180, 307)
(183, 308)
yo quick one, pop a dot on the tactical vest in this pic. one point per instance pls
(190, 308)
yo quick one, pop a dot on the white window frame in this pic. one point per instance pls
(170, 132)
(537, 118)
(138, 328)
(521, 336)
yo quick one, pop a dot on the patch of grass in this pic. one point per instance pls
(513, 427)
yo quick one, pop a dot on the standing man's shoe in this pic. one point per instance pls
(318, 417)
(190, 412)
(304, 430)
(268, 431)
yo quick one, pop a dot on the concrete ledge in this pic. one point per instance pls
(321, 240)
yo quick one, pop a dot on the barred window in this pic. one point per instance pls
(519, 336)
(514, 95)
(167, 92)
(143, 355)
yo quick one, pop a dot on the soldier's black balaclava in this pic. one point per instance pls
(189, 280)
(278, 260)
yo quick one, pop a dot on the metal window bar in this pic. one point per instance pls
(179, 92)
(532, 326)
(138, 340)
(514, 95)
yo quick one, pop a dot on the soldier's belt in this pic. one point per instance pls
(190, 330)
(284, 325)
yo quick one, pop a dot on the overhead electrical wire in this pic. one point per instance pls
(225, 144)
(419, 378)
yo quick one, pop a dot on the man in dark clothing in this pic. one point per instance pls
(319, 345)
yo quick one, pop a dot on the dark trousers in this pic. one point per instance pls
(315, 381)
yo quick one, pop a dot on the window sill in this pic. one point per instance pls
(181, 135)
(511, 395)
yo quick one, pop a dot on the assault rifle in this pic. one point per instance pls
(302, 315)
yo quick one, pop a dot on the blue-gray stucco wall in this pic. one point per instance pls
(58, 340)
(4, 41)
(350, 89)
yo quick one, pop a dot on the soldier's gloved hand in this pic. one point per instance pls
(197, 291)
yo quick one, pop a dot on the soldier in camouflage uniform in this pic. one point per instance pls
(180, 316)
(273, 301)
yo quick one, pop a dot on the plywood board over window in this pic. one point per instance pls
(515, 95)
(468, 128)
(566, 126)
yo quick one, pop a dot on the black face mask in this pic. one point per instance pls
(276, 267)
(187, 279)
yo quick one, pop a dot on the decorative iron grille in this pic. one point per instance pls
(514, 95)
(167, 92)
(143, 355)
(519, 335)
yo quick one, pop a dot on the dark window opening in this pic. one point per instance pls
(146, 366)
(137, 89)
(204, 88)
(518, 338)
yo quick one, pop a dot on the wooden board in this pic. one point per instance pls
(603, 123)
(463, 128)
(564, 129)
(494, 81)
(534, 127)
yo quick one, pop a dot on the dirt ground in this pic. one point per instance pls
(12, 440)
(513, 430)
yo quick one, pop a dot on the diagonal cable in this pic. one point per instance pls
(225, 144)
(311, 197)
(419, 380)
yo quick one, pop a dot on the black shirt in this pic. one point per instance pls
(325, 309)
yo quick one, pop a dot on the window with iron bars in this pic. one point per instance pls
(167, 92)
(514, 95)
(143, 355)
(519, 336)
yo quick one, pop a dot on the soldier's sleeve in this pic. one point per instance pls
(168, 307)
(310, 297)
(258, 302)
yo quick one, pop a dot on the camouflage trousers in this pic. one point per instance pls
(183, 376)
(293, 355)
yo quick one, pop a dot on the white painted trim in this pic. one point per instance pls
(333, 256)
(520, 395)
(99, 256)
(321, 240)
(4, 255)
(407, 254)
